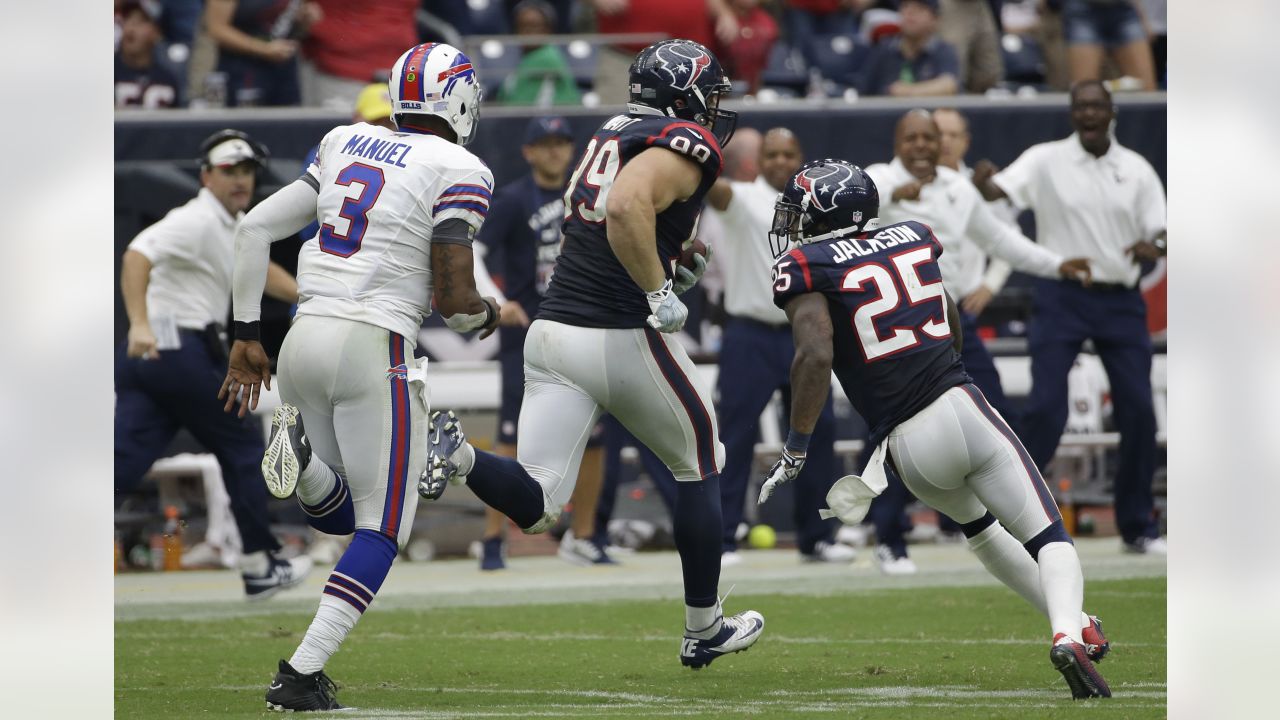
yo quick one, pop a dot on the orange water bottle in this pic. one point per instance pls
(1066, 506)
(172, 539)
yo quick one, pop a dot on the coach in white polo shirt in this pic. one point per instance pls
(1094, 198)
(176, 283)
(757, 351)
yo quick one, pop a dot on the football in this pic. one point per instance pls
(696, 247)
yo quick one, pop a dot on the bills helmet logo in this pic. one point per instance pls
(399, 372)
(461, 69)
(683, 63)
(821, 185)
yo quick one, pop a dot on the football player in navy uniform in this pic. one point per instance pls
(869, 302)
(601, 340)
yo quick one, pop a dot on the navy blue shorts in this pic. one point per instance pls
(511, 362)
(1110, 24)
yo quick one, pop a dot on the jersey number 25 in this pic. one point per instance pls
(883, 312)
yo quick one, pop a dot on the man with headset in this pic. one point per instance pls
(176, 283)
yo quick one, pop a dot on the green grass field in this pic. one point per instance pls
(959, 652)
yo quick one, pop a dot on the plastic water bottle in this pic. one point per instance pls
(215, 90)
(172, 539)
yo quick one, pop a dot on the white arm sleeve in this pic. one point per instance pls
(283, 214)
(1020, 180)
(484, 281)
(1010, 245)
(996, 276)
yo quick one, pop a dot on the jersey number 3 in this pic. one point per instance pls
(355, 210)
(869, 315)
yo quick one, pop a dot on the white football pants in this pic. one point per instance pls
(363, 416)
(960, 457)
(642, 377)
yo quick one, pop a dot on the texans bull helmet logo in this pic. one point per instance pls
(683, 63)
(821, 185)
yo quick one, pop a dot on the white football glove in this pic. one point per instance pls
(785, 470)
(686, 278)
(669, 313)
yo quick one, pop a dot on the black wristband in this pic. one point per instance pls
(492, 313)
(248, 331)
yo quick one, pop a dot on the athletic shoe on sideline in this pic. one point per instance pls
(288, 452)
(291, 690)
(739, 632)
(1148, 546)
(1072, 660)
(827, 552)
(893, 564)
(281, 574)
(584, 552)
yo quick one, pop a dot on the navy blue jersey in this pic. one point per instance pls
(522, 236)
(892, 342)
(590, 287)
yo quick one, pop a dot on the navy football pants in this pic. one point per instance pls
(154, 398)
(1067, 314)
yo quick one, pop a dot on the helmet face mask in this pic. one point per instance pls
(785, 233)
(438, 80)
(683, 79)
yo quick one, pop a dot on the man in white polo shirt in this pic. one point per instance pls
(1094, 198)
(757, 351)
(176, 283)
(913, 186)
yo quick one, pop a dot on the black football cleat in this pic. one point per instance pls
(1072, 660)
(291, 690)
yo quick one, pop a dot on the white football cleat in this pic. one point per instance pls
(891, 564)
(737, 633)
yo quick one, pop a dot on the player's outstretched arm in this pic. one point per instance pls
(456, 297)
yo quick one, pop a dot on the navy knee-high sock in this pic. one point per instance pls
(335, 514)
(503, 484)
(698, 523)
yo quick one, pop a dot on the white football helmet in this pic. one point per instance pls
(437, 79)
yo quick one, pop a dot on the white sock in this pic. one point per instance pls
(1006, 559)
(255, 563)
(1063, 586)
(465, 458)
(333, 621)
(702, 622)
(316, 482)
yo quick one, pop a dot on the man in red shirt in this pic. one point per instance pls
(351, 45)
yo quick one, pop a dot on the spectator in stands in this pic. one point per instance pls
(757, 353)
(747, 55)
(1155, 17)
(1095, 198)
(702, 21)
(181, 17)
(916, 62)
(523, 235)
(564, 10)
(352, 45)
(542, 78)
(1094, 28)
(176, 282)
(140, 79)
(258, 47)
(970, 28)
(808, 20)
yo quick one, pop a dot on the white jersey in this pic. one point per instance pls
(381, 192)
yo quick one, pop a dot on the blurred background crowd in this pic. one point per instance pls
(321, 53)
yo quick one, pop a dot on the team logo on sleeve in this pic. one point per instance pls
(683, 63)
(821, 184)
(399, 372)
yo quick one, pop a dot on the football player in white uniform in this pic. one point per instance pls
(398, 210)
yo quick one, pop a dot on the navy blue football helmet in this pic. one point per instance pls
(683, 79)
(824, 199)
